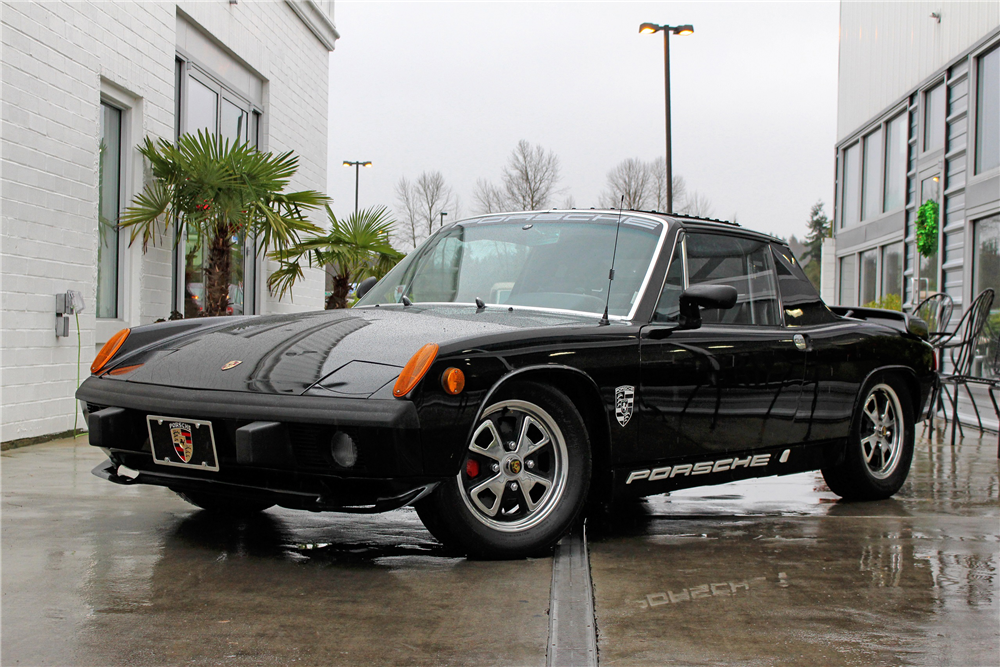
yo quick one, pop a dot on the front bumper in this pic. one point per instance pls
(267, 445)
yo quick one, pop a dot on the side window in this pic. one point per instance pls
(668, 307)
(746, 264)
(803, 306)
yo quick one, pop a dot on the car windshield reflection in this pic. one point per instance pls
(557, 260)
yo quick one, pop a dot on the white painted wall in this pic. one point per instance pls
(58, 58)
(828, 271)
(887, 48)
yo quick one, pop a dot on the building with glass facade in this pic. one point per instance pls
(918, 121)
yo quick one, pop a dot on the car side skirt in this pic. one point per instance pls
(723, 467)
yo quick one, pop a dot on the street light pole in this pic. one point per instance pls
(357, 168)
(647, 29)
(666, 96)
(443, 213)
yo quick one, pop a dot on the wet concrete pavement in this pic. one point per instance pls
(776, 571)
(771, 571)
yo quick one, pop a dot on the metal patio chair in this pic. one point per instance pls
(990, 371)
(961, 345)
(936, 311)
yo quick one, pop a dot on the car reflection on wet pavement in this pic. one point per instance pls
(777, 571)
(771, 571)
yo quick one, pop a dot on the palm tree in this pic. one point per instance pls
(224, 191)
(354, 249)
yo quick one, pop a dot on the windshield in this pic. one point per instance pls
(545, 260)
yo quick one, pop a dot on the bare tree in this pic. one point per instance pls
(630, 185)
(528, 182)
(658, 174)
(488, 197)
(697, 205)
(421, 204)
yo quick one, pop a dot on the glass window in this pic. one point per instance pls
(892, 270)
(668, 307)
(934, 103)
(801, 302)
(988, 112)
(895, 163)
(851, 200)
(848, 280)
(202, 107)
(871, 203)
(743, 263)
(869, 277)
(553, 261)
(233, 122)
(986, 261)
(109, 203)
(216, 110)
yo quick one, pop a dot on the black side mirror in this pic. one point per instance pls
(704, 296)
(366, 286)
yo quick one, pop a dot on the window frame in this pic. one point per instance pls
(858, 182)
(878, 178)
(901, 116)
(974, 129)
(925, 92)
(130, 179)
(188, 67)
(681, 243)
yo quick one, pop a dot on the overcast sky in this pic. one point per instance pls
(452, 87)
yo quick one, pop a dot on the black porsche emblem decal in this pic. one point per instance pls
(624, 397)
(231, 364)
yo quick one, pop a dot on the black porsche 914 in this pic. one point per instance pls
(514, 368)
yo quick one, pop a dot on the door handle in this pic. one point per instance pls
(801, 342)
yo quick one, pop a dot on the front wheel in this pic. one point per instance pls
(523, 480)
(880, 447)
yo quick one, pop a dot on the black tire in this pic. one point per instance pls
(520, 501)
(220, 503)
(880, 446)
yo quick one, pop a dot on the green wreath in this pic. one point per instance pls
(927, 228)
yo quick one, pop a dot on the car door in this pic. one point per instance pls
(834, 350)
(732, 384)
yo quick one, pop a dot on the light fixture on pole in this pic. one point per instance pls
(356, 165)
(443, 213)
(649, 29)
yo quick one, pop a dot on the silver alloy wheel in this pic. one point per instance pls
(882, 431)
(520, 480)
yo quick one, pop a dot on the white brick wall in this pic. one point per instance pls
(57, 57)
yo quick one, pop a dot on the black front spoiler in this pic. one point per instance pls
(384, 495)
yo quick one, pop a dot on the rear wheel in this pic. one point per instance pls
(880, 447)
(523, 480)
(220, 503)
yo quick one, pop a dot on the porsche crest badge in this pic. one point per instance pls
(180, 434)
(231, 364)
(624, 397)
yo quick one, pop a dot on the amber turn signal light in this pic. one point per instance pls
(109, 350)
(415, 369)
(453, 381)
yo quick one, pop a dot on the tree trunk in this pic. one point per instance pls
(341, 288)
(218, 273)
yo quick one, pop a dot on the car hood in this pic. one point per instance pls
(350, 352)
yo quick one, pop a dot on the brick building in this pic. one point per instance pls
(82, 84)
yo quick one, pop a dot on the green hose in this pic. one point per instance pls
(79, 346)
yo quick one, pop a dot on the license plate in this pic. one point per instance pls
(186, 443)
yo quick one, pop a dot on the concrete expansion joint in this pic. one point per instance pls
(572, 623)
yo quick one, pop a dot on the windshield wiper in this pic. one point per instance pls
(480, 306)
